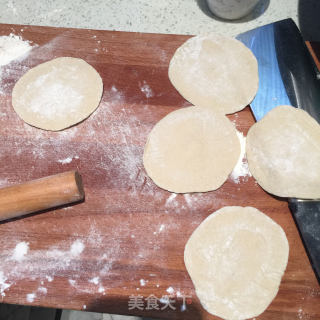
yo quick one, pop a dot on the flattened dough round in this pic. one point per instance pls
(283, 152)
(215, 71)
(191, 150)
(236, 258)
(57, 94)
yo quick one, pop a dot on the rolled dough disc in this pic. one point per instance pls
(283, 152)
(215, 71)
(57, 94)
(191, 150)
(236, 258)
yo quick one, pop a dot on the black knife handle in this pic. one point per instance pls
(306, 214)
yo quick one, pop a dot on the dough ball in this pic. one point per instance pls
(236, 258)
(283, 152)
(215, 71)
(191, 150)
(57, 94)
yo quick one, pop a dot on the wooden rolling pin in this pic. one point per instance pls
(40, 194)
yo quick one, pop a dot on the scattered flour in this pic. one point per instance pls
(142, 282)
(241, 169)
(66, 160)
(72, 282)
(56, 262)
(20, 251)
(171, 198)
(170, 290)
(42, 290)
(160, 229)
(30, 297)
(101, 289)
(145, 88)
(188, 199)
(94, 280)
(3, 284)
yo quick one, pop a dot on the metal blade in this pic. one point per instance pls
(287, 73)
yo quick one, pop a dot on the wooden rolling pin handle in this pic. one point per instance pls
(40, 194)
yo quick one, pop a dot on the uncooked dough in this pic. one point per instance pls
(215, 71)
(57, 94)
(283, 152)
(236, 258)
(192, 149)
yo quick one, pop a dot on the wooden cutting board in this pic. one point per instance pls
(127, 238)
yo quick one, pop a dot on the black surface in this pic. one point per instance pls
(309, 19)
(307, 217)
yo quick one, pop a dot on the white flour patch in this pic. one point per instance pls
(42, 290)
(241, 170)
(30, 297)
(101, 289)
(170, 290)
(94, 280)
(12, 47)
(188, 199)
(77, 248)
(72, 282)
(20, 251)
(65, 161)
(68, 160)
(160, 229)
(142, 282)
(170, 199)
(3, 284)
(145, 88)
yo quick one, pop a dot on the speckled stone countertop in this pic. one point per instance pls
(158, 16)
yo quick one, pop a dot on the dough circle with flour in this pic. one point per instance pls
(215, 71)
(236, 258)
(57, 94)
(283, 152)
(192, 149)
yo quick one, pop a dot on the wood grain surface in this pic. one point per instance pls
(128, 237)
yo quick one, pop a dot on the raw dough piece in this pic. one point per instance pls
(236, 258)
(191, 150)
(283, 152)
(57, 94)
(215, 71)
